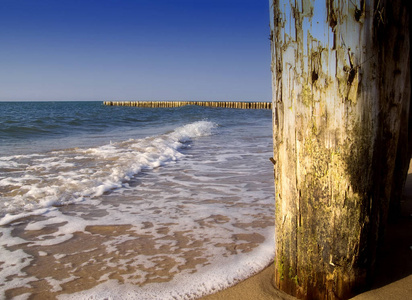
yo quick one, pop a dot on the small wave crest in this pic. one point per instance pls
(29, 182)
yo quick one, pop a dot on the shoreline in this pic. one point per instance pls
(393, 279)
(258, 286)
(144, 207)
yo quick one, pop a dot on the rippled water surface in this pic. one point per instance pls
(132, 203)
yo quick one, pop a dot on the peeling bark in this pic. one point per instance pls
(341, 105)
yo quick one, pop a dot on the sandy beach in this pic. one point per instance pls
(393, 274)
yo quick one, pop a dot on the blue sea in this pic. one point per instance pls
(132, 203)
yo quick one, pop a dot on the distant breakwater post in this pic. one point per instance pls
(224, 104)
(341, 95)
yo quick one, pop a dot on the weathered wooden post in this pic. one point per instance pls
(341, 94)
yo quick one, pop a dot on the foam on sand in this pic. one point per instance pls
(134, 229)
(189, 285)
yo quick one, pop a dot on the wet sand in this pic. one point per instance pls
(393, 274)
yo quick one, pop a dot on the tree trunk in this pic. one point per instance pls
(341, 95)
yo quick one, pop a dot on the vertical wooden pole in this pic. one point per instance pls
(341, 94)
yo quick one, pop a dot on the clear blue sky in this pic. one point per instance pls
(134, 50)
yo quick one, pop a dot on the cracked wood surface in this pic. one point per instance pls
(341, 102)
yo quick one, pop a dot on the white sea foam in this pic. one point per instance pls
(163, 234)
(8, 218)
(186, 286)
(68, 176)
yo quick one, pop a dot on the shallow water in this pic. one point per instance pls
(151, 204)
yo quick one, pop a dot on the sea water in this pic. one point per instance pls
(132, 203)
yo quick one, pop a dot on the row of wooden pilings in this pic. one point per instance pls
(231, 104)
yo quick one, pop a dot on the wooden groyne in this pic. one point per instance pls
(230, 104)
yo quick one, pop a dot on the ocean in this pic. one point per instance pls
(100, 202)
